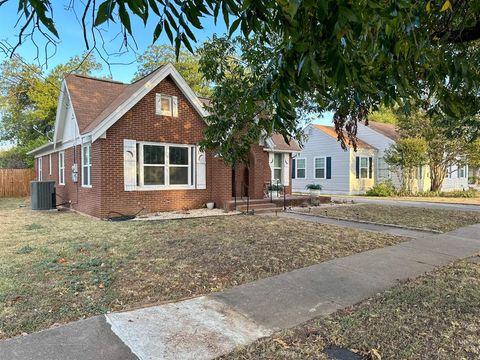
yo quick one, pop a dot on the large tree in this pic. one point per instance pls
(346, 56)
(28, 99)
(186, 63)
(442, 150)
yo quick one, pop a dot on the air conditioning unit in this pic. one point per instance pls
(43, 195)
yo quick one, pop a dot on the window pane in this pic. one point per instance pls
(178, 175)
(277, 160)
(154, 175)
(320, 173)
(277, 174)
(364, 162)
(178, 155)
(153, 154)
(165, 104)
(301, 173)
(301, 164)
(86, 176)
(363, 173)
(319, 163)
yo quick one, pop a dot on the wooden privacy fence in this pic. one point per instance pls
(15, 182)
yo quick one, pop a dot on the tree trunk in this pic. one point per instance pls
(437, 174)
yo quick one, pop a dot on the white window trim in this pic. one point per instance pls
(89, 166)
(61, 167)
(324, 167)
(360, 167)
(49, 164)
(296, 168)
(159, 110)
(191, 167)
(40, 169)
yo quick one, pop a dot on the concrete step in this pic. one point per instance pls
(243, 207)
(268, 210)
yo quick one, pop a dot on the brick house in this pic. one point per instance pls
(120, 148)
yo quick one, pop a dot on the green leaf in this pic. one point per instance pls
(234, 26)
(104, 12)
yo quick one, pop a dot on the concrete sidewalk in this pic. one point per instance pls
(206, 327)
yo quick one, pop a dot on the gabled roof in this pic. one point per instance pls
(280, 144)
(388, 130)
(99, 103)
(330, 131)
(91, 96)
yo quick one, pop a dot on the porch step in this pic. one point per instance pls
(262, 207)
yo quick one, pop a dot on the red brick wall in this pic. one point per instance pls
(73, 195)
(142, 124)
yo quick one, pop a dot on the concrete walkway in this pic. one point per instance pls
(206, 327)
(422, 204)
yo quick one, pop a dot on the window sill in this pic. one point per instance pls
(87, 186)
(163, 188)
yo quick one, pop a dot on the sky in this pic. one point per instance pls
(71, 42)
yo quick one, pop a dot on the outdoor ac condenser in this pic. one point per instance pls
(43, 195)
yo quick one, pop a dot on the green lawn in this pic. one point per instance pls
(436, 316)
(432, 219)
(57, 267)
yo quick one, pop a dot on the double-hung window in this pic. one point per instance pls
(87, 165)
(277, 166)
(61, 168)
(164, 165)
(319, 166)
(50, 164)
(300, 168)
(40, 168)
(363, 167)
(461, 172)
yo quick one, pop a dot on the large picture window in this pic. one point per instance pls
(87, 165)
(163, 165)
(320, 170)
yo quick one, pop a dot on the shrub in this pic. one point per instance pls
(470, 193)
(383, 189)
(275, 187)
(313, 187)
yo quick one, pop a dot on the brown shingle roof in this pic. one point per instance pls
(90, 96)
(330, 131)
(280, 143)
(94, 99)
(388, 130)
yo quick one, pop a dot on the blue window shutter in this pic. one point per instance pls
(294, 165)
(329, 167)
(370, 167)
(357, 167)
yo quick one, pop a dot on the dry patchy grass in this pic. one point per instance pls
(436, 316)
(57, 267)
(433, 219)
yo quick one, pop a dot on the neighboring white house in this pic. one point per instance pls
(350, 172)
(322, 161)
